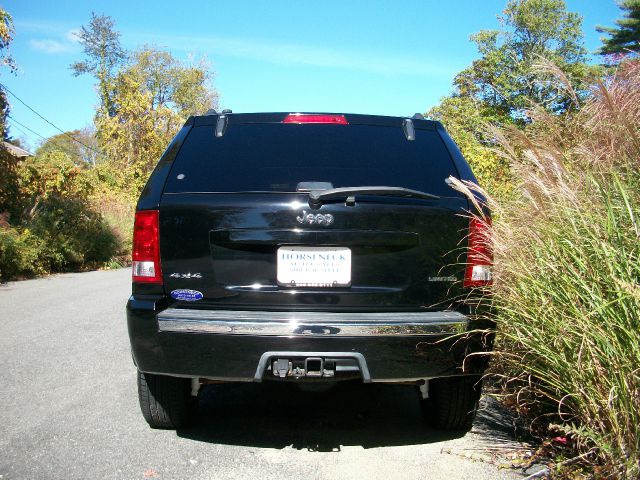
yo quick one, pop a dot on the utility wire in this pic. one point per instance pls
(66, 134)
(76, 154)
(24, 126)
(15, 126)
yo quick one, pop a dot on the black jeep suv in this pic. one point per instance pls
(307, 248)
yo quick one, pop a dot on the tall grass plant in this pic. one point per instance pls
(567, 279)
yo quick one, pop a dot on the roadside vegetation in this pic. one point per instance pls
(70, 206)
(566, 232)
(567, 280)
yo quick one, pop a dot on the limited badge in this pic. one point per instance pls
(186, 295)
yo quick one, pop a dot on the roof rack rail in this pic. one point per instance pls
(409, 131)
(221, 125)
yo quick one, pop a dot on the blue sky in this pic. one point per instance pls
(384, 57)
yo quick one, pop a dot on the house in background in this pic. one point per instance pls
(17, 152)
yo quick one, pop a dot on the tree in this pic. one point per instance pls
(152, 97)
(504, 78)
(8, 163)
(80, 145)
(104, 55)
(6, 36)
(465, 118)
(625, 38)
(508, 79)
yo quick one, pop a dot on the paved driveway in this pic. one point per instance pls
(68, 409)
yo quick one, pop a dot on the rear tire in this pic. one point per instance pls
(165, 401)
(452, 402)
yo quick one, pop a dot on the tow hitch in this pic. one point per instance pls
(307, 367)
(312, 365)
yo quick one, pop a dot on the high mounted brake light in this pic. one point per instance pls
(479, 254)
(315, 118)
(146, 248)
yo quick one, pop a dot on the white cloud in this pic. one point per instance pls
(68, 42)
(380, 63)
(48, 45)
(296, 54)
(72, 35)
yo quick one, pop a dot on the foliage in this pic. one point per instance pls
(49, 175)
(6, 36)
(104, 55)
(465, 119)
(503, 77)
(73, 235)
(20, 253)
(55, 227)
(509, 78)
(152, 98)
(9, 186)
(625, 38)
(80, 145)
(567, 294)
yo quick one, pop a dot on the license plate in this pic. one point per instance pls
(314, 266)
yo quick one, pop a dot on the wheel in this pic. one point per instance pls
(165, 401)
(452, 402)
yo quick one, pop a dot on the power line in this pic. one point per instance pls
(15, 126)
(50, 123)
(76, 154)
(24, 126)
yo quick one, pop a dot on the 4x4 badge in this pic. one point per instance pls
(186, 275)
(315, 218)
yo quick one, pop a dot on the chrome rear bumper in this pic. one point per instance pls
(311, 324)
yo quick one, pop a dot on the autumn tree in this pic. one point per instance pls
(144, 98)
(466, 118)
(153, 95)
(6, 60)
(80, 145)
(625, 37)
(8, 163)
(103, 57)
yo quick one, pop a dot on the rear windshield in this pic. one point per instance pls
(276, 158)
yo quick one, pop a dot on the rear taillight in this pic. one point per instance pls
(315, 118)
(146, 248)
(479, 254)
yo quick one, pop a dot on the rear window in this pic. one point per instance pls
(275, 158)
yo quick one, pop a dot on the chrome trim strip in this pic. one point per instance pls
(311, 324)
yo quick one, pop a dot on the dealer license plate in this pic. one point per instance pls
(314, 266)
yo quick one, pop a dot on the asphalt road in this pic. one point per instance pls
(69, 409)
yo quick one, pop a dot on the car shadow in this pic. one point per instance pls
(271, 415)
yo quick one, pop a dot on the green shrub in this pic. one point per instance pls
(74, 236)
(20, 254)
(57, 228)
(118, 211)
